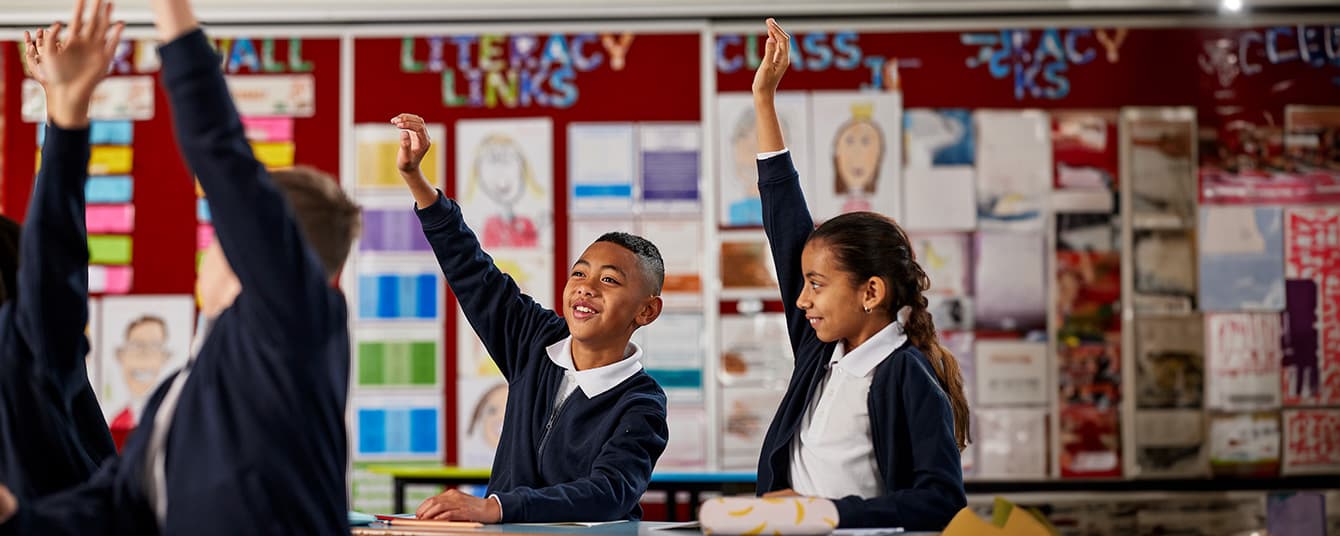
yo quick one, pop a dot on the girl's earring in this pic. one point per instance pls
(867, 310)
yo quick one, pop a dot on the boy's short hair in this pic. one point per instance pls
(649, 258)
(9, 258)
(329, 219)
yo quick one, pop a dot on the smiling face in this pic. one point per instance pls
(607, 296)
(857, 152)
(143, 356)
(833, 304)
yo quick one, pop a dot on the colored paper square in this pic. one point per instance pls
(388, 294)
(110, 218)
(427, 298)
(109, 249)
(274, 154)
(372, 431)
(423, 426)
(423, 363)
(109, 279)
(108, 189)
(399, 429)
(111, 132)
(202, 213)
(371, 363)
(204, 236)
(397, 363)
(268, 129)
(367, 296)
(110, 160)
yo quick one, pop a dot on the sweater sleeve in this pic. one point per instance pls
(51, 305)
(787, 222)
(282, 276)
(508, 322)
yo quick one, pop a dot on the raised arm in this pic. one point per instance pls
(254, 224)
(51, 303)
(507, 321)
(786, 217)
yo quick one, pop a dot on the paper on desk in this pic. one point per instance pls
(585, 524)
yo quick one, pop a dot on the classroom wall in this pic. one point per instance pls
(671, 92)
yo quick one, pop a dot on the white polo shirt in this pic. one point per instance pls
(832, 456)
(592, 381)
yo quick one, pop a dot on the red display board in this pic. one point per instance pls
(164, 234)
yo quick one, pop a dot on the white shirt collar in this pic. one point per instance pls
(863, 360)
(595, 381)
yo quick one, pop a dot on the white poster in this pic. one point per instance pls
(582, 232)
(602, 168)
(1243, 355)
(274, 95)
(737, 154)
(143, 340)
(756, 351)
(746, 413)
(92, 331)
(1011, 372)
(116, 98)
(680, 242)
(858, 164)
(479, 419)
(670, 167)
(377, 145)
(940, 198)
(1013, 443)
(1014, 168)
(504, 181)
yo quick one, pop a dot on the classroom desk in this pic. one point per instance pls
(626, 528)
(671, 483)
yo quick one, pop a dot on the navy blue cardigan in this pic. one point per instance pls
(590, 459)
(911, 423)
(52, 433)
(258, 443)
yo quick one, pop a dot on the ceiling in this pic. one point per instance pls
(31, 12)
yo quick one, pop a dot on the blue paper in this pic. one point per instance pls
(109, 189)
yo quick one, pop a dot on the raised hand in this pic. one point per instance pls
(414, 142)
(776, 58)
(70, 69)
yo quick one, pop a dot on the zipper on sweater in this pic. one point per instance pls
(549, 426)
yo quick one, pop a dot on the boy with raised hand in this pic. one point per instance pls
(52, 434)
(585, 424)
(257, 441)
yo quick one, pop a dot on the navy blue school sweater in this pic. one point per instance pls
(258, 443)
(589, 459)
(911, 423)
(52, 433)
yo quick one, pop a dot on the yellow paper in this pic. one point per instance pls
(109, 249)
(1019, 522)
(274, 155)
(968, 523)
(111, 160)
(377, 169)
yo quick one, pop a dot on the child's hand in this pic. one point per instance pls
(70, 69)
(414, 142)
(453, 505)
(8, 504)
(776, 58)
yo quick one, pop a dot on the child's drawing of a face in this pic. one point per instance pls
(501, 168)
(857, 151)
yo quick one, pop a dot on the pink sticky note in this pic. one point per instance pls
(109, 279)
(268, 128)
(204, 236)
(110, 218)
